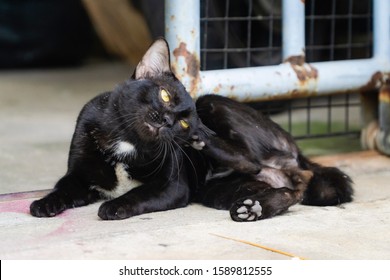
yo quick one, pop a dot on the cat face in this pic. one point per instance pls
(161, 109)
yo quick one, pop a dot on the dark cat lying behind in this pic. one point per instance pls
(256, 169)
(129, 146)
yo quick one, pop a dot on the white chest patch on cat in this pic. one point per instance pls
(124, 183)
(124, 148)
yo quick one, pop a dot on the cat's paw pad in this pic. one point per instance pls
(110, 210)
(196, 143)
(247, 210)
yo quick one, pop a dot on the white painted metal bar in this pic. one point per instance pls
(182, 27)
(182, 21)
(382, 53)
(293, 28)
(280, 81)
(381, 29)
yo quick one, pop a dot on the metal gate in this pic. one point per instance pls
(293, 76)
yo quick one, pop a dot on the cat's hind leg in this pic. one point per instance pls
(249, 199)
(69, 192)
(272, 199)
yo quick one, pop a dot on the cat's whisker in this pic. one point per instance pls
(182, 139)
(179, 164)
(125, 126)
(187, 156)
(162, 150)
(169, 145)
(123, 119)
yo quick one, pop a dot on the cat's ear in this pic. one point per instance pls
(154, 62)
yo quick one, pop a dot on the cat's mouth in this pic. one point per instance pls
(156, 129)
(152, 128)
(157, 124)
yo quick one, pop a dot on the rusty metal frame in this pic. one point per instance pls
(292, 78)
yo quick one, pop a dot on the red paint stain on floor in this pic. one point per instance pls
(15, 206)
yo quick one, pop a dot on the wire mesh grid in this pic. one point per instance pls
(317, 117)
(245, 33)
(338, 30)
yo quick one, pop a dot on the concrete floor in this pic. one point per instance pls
(38, 110)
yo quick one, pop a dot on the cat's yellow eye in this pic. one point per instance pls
(184, 124)
(165, 96)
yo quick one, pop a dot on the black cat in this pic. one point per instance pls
(127, 146)
(256, 169)
(132, 145)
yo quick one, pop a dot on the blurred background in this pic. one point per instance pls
(47, 33)
(56, 55)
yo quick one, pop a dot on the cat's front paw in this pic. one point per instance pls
(114, 210)
(197, 143)
(48, 206)
(246, 210)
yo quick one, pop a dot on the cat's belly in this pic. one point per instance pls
(124, 183)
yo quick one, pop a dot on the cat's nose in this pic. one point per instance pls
(167, 120)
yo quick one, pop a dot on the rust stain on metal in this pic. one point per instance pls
(375, 82)
(217, 89)
(304, 71)
(192, 63)
(296, 60)
(193, 33)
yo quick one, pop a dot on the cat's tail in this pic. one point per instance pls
(328, 186)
